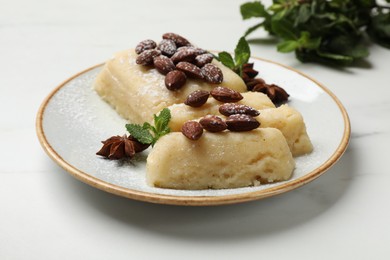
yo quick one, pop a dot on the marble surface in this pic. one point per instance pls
(47, 214)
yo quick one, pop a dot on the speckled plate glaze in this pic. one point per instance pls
(73, 120)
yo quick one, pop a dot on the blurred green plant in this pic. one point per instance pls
(325, 31)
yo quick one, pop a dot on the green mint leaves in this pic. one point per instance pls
(242, 54)
(332, 32)
(149, 134)
(141, 133)
(226, 59)
(304, 41)
(253, 9)
(379, 29)
(161, 124)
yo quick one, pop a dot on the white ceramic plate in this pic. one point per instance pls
(73, 120)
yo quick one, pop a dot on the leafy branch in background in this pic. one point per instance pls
(332, 32)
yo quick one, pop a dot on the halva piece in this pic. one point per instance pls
(137, 92)
(220, 160)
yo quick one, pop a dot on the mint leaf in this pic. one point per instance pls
(326, 58)
(358, 51)
(253, 9)
(307, 42)
(379, 29)
(161, 121)
(147, 126)
(144, 133)
(280, 15)
(288, 46)
(334, 56)
(164, 116)
(304, 14)
(242, 52)
(161, 124)
(140, 133)
(276, 7)
(284, 29)
(226, 59)
(348, 45)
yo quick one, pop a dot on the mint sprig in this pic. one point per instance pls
(141, 133)
(149, 134)
(333, 32)
(242, 54)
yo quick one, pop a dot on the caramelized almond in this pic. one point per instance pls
(147, 57)
(145, 45)
(213, 123)
(178, 39)
(197, 98)
(226, 95)
(229, 109)
(240, 123)
(175, 79)
(190, 70)
(192, 130)
(212, 73)
(163, 64)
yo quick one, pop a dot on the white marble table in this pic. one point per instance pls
(47, 214)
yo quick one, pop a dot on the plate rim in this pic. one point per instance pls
(192, 200)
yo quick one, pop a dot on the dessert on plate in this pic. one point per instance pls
(209, 125)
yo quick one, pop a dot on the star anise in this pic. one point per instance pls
(253, 82)
(249, 76)
(248, 72)
(117, 147)
(274, 92)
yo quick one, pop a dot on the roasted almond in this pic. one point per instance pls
(187, 54)
(145, 45)
(198, 51)
(197, 98)
(163, 64)
(240, 123)
(178, 39)
(147, 57)
(175, 79)
(213, 123)
(229, 109)
(167, 47)
(212, 74)
(203, 59)
(192, 130)
(226, 95)
(190, 70)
